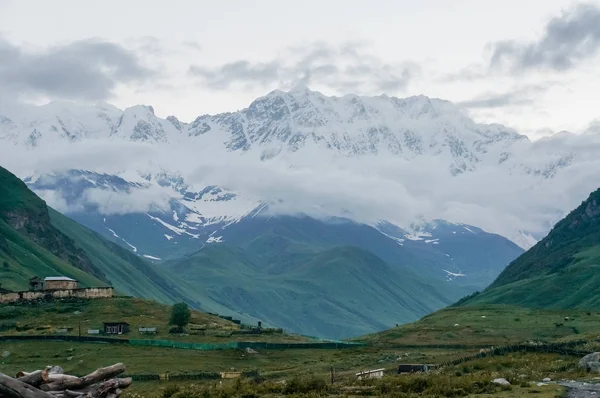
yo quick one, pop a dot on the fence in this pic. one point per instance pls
(81, 339)
(187, 346)
(562, 349)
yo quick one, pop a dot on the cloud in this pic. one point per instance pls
(515, 195)
(135, 200)
(239, 71)
(593, 127)
(82, 70)
(348, 67)
(517, 97)
(568, 39)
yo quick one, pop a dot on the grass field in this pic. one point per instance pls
(491, 325)
(308, 368)
(306, 372)
(46, 317)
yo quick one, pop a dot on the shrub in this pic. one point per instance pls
(305, 386)
(180, 315)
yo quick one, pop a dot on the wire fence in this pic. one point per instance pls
(188, 346)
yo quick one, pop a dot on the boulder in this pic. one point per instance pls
(547, 380)
(591, 362)
(5, 354)
(502, 381)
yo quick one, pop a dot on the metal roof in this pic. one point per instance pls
(59, 278)
(370, 371)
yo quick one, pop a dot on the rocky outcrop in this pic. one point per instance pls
(591, 362)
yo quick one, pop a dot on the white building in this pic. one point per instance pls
(370, 374)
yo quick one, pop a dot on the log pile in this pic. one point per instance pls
(52, 382)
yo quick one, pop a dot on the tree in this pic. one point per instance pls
(180, 315)
(5, 264)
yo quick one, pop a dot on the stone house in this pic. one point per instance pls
(60, 283)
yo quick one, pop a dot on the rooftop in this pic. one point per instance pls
(59, 278)
(370, 371)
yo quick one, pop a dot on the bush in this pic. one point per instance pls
(169, 391)
(180, 315)
(305, 386)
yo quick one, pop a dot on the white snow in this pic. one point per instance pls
(214, 239)
(169, 237)
(175, 216)
(178, 231)
(151, 257)
(453, 273)
(413, 146)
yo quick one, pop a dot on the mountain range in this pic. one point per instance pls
(277, 202)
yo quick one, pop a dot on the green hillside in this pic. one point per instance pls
(335, 292)
(22, 259)
(485, 325)
(23, 212)
(36, 240)
(560, 271)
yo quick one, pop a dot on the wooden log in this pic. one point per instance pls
(32, 378)
(71, 393)
(51, 371)
(78, 383)
(109, 389)
(10, 387)
(52, 377)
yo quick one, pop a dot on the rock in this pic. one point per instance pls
(69, 358)
(502, 381)
(547, 380)
(71, 350)
(591, 362)
(251, 351)
(57, 370)
(541, 384)
(5, 354)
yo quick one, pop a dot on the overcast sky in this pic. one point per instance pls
(530, 64)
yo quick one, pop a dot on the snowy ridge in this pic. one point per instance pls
(292, 127)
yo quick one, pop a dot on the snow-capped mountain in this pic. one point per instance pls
(414, 158)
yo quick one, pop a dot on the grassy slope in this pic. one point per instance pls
(561, 271)
(128, 273)
(134, 276)
(578, 231)
(337, 292)
(46, 317)
(22, 258)
(25, 259)
(490, 325)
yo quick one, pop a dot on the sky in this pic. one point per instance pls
(533, 65)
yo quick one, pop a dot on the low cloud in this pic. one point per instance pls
(517, 97)
(568, 40)
(348, 67)
(135, 200)
(515, 195)
(82, 70)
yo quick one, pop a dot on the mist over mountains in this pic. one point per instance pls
(405, 161)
